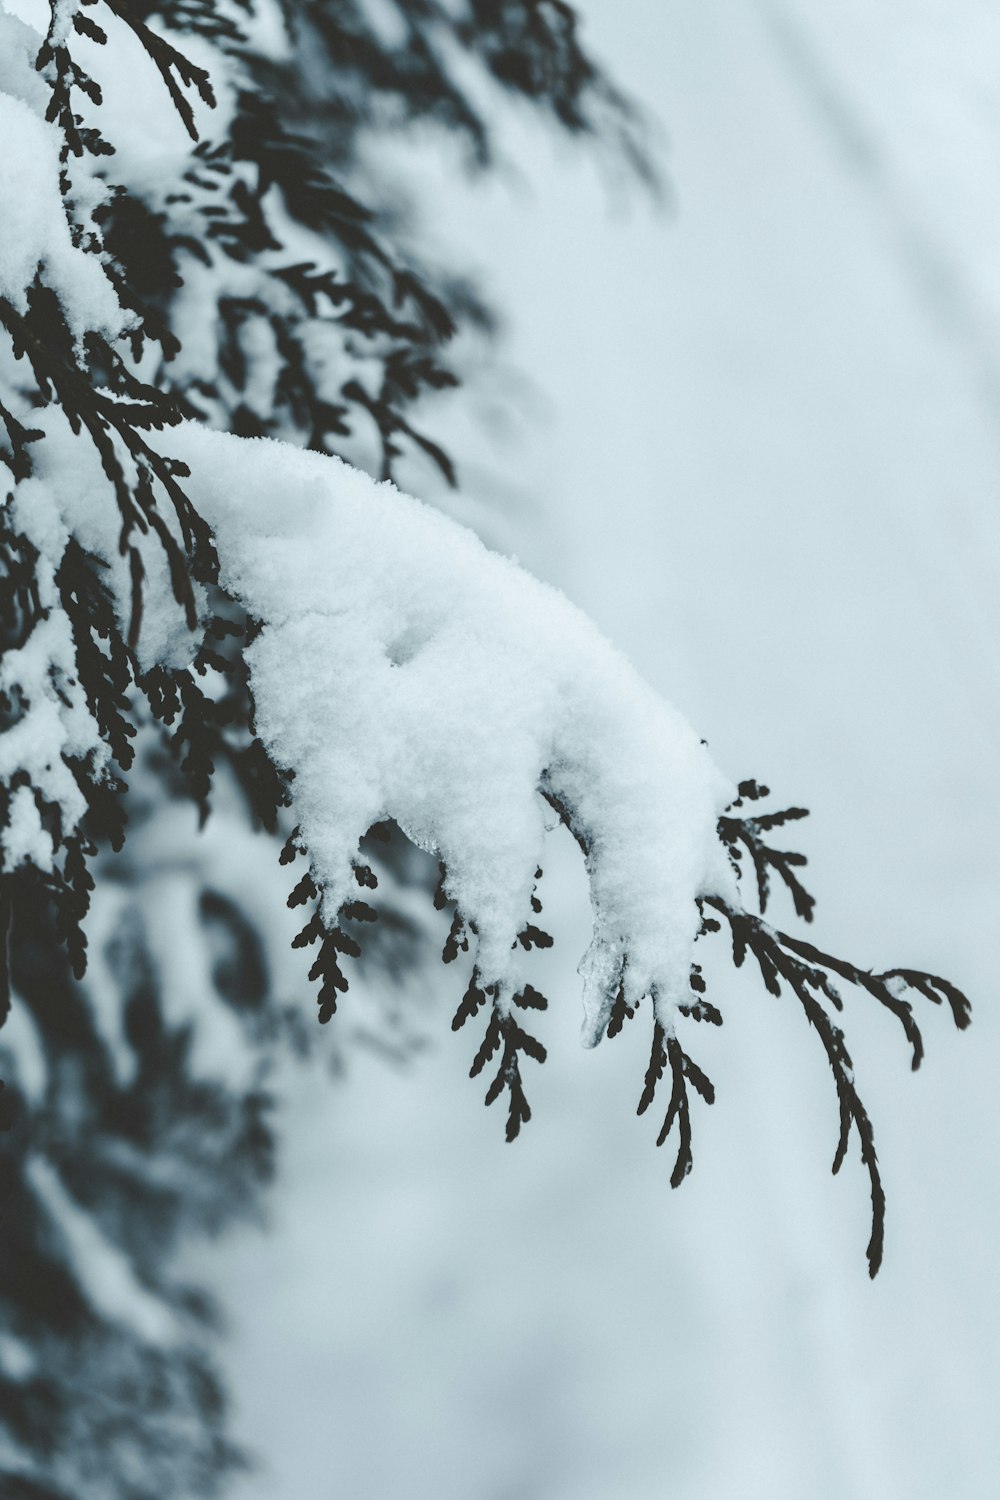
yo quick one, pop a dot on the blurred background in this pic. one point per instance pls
(754, 433)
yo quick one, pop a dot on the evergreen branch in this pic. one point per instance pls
(666, 1051)
(502, 1029)
(63, 74)
(105, 665)
(621, 1010)
(565, 817)
(457, 940)
(41, 334)
(472, 1001)
(177, 71)
(20, 604)
(18, 460)
(747, 831)
(779, 958)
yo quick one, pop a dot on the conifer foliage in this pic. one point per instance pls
(162, 297)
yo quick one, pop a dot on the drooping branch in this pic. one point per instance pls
(503, 1030)
(805, 970)
(178, 72)
(666, 1051)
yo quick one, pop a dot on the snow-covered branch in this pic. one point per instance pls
(178, 325)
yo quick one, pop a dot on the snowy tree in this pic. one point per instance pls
(219, 614)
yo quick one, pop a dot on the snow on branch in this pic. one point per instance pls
(405, 672)
(400, 671)
(386, 667)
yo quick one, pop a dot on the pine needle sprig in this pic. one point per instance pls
(805, 970)
(42, 336)
(748, 831)
(503, 1030)
(180, 75)
(666, 1051)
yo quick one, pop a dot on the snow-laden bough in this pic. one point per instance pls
(401, 672)
(406, 672)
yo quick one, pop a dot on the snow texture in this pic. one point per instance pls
(69, 495)
(406, 672)
(55, 727)
(403, 671)
(36, 233)
(19, 43)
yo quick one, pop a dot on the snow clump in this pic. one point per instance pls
(405, 672)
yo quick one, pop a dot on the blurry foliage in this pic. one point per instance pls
(124, 1133)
